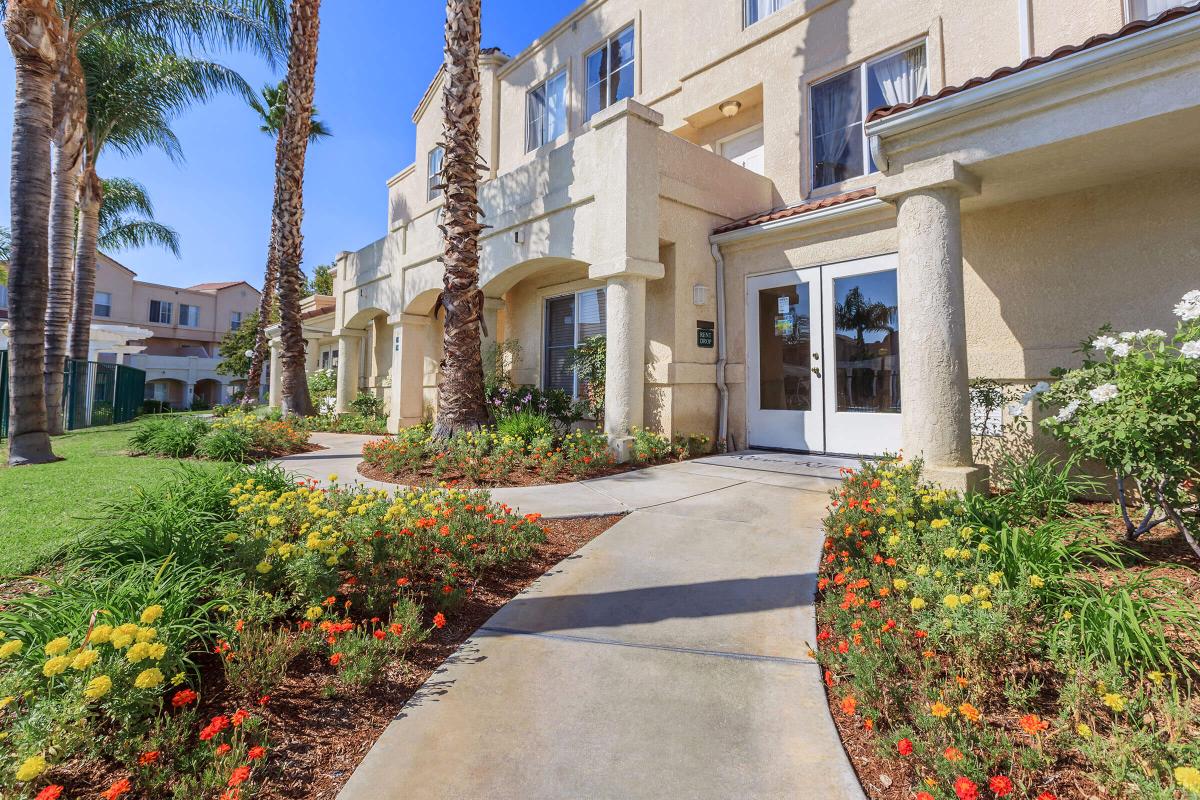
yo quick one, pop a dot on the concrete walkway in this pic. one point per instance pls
(666, 659)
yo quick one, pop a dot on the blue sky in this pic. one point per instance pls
(375, 60)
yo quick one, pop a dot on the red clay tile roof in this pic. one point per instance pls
(1137, 26)
(322, 304)
(795, 211)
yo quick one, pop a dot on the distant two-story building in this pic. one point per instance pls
(804, 224)
(188, 324)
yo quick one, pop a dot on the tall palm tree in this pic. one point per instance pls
(271, 108)
(461, 404)
(857, 313)
(34, 32)
(289, 187)
(136, 85)
(126, 219)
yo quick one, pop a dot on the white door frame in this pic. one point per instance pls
(783, 429)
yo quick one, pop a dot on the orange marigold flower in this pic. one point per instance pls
(223, 748)
(969, 712)
(849, 705)
(335, 659)
(239, 776)
(256, 752)
(239, 716)
(1046, 796)
(952, 754)
(439, 620)
(962, 682)
(183, 697)
(939, 710)
(148, 758)
(51, 792)
(1032, 724)
(1000, 785)
(397, 629)
(119, 788)
(924, 796)
(965, 788)
(379, 635)
(904, 747)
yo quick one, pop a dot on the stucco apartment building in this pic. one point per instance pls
(188, 324)
(805, 224)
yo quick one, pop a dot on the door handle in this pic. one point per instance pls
(816, 371)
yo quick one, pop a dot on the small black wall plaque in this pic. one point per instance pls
(706, 334)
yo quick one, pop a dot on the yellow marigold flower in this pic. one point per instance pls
(11, 648)
(1156, 676)
(950, 552)
(148, 679)
(939, 574)
(120, 641)
(964, 599)
(333, 478)
(939, 710)
(939, 523)
(31, 767)
(1084, 731)
(1036, 582)
(980, 592)
(151, 615)
(101, 634)
(56, 647)
(994, 578)
(4, 701)
(129, 629)
(900, 584)
(98, 687)
(146, 635)
(916, 604)
(263, 567)
(1114, 701)
(922, 571)
(1188, 778)
(84, 659)
(157, 651)
(984, 547)
(950, 601)
(138, 653)
(985, 604)
(274, 521)
(56, 666)
(230, 537)
(314, 612)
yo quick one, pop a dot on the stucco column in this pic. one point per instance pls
(189, 391)
(275, 399)
(936, 407)
(409, 336)
(349, 342)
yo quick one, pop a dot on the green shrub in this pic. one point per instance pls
(526, 426)
(368, 405)
(227, 444)
(174, 437)
(1040, 487)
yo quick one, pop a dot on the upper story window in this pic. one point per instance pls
(235, 320)
(840, 104)
(102, 306)
(1149, 9)
(546, 112)
(610, 71)
(189, 316)
(437, 157)
(160, 312)
(3, 296)
(754, 10)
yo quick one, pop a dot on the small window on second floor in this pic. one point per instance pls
(160, 312)
(189, 316)
(437, 158)
(102, 307)
(546, 112)
(235, 320)
(754, 10)
(1149, 9)
(840, 104)
(610, 72)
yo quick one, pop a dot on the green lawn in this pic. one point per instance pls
(44, 506)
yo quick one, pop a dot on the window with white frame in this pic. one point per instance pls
(329, 358)
(102, 304)
(3, 296)
(546, 111)
(160, 312)
(1149, 9)
(437, 159)
(839, 105)
(189, 316)
(570, 319)
(610, 71)
(754, 10)
(745, 149)
(235, 320)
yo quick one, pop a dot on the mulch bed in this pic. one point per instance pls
(518, 477)
(1166, 553)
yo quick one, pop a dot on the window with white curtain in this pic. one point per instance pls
(437, 157)
(754, 10)
(610, 71)
(546, 111)
(160, 312)
(1149, 9)
(189, 316)
(839, 106)
(570, 319)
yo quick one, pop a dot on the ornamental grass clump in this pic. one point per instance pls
(973, 640)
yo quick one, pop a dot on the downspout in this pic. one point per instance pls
(1025, 27)
(722, 388)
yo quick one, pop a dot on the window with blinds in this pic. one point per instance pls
(570, 319)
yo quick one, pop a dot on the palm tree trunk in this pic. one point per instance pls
(91, 195)
(461, 404)
(293, 145)
(33, 29)
(267, 300)
(70, 121)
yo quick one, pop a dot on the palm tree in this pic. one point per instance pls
(34, 32)
(136, 85)
(461, 404)
(271, 108)
(127, 221)
(858, 314)
(292, 147)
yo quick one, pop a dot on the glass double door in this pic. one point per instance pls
(824, 358)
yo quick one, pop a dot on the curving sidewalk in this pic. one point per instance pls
(667, 658)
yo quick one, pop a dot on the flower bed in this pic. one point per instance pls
(204, 638)
(985, 647)
(233, 436)
(494, 457)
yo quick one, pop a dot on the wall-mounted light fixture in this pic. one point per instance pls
(730, 108)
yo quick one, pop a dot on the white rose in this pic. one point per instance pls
(1103, 393)
(1120, 350)
(1104, 343)
(1128, 336)
(1152, 333)
(1190, 349)
(1068, 411)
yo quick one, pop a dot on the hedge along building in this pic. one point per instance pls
(702, 183)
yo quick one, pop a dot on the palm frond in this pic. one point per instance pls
(127, 219)
(129, 234)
